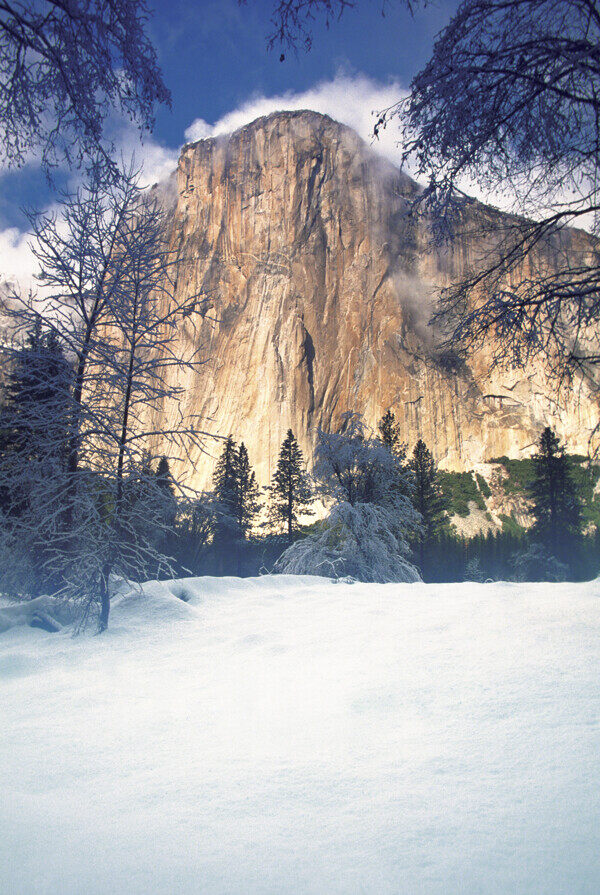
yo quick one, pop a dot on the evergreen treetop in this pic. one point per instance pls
(556, 505)
(389, 433)
(290, 491)
(225, 488)
(165, 486)
(36, 396)
(427, 497)
(236, 491)
(164, 479)
(247, 504)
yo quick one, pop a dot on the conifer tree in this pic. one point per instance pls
(247, 503)
(556, 506)
(427, 498)
(236, 492)
(389, 433)
(290, 491)
(34, 432)
(35, 395)
(35, 413)
(164, 479)
(166, 492)
(225, 490)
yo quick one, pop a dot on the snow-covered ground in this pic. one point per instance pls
(292, 735)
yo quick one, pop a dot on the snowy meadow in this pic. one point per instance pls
(293, 734)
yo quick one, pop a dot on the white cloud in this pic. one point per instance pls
(17, 263)
(156, 161)
(350, 99)
(200, 129)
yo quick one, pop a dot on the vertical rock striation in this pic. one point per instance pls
(320, 288)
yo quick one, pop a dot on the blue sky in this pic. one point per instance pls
(214, 57)
(215, 61)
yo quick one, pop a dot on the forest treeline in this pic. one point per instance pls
(562, 540)
(371, 509)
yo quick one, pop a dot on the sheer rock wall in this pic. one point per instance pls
(320, 288)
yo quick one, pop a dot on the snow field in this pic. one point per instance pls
(291, 735)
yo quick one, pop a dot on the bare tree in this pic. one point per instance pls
(64, 67)
(509, 102)
(138, 365)
(118, 319)
(292, 20)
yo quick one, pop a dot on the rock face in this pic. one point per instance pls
(320, 290)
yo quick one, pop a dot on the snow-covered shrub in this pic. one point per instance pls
(474, 572)
(361, 541)
(365, 534)
(536, 563)
(355, 466)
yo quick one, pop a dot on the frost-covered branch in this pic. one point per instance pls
(64, 67)
(371, 517)
(88, 499)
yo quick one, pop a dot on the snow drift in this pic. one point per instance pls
(296, 735)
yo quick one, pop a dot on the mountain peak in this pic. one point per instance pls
(322, 287)
(303, 128)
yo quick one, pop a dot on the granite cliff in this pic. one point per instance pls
(319, 289)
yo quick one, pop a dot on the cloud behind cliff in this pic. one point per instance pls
(352, 99)
(155, 162)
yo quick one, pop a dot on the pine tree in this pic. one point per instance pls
(34, 434)
(36, 393)
(236, 492)
(247, 503)
(389, 433)
(225, 490)
(166, 492)
(35, 414)
(164, 479)
(556, 506)
(290, 491)
(427, 498)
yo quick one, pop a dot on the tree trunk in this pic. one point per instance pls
(104, 598)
